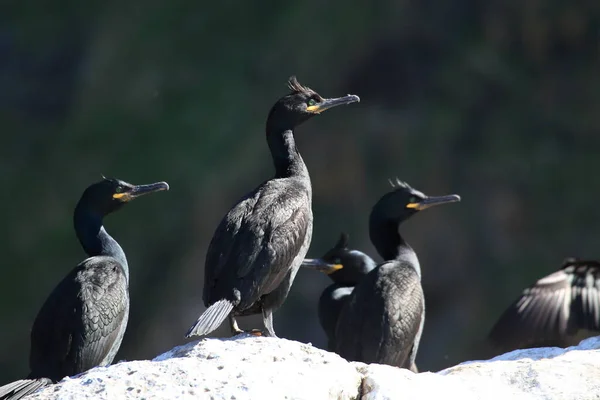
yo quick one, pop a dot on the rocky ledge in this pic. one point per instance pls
(248, 367)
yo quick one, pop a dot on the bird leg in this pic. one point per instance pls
(235, 329)
(268, 321)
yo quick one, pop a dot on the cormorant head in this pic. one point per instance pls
(109, 194)
(300, 105)
(403, 202)
(344, 266)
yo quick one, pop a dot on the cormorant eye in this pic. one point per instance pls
(413, 199)
(312, 102)
(337, 261)
(119, 189)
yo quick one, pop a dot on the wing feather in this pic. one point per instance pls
(80, 322)
(380, 321)
(255, 244)
(553, 308)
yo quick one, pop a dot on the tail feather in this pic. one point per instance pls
(19, 389)
(211, 319)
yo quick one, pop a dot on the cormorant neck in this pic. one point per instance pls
(286, 158)
(94, 239)
(385, 237)
(390, 244)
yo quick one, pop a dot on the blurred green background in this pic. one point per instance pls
(496, 101)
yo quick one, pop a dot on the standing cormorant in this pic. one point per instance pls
(552, 310)
(381, 321)
(259, 245)
(82, 322)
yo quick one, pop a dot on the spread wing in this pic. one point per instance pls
(552, 309)
(80, 322)
(255, 244)
(380, 322)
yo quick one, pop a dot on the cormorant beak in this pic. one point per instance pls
(140, 190)
(321, 265)
(433, 201)
(326, 104)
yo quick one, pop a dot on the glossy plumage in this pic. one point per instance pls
(379, 313)
(355, 265)
(259, 245)
(553, 309)
(82, 323)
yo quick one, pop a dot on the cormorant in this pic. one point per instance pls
(382, 319)
(259, 245)
(82, 322)
(346, 268)
(553, 309)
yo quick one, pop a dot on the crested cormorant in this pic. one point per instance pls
(259, 245)
(82, 322)
(552, 310)
(382, 317)
(346, 268)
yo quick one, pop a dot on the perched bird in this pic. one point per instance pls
(82, 322)
(382, 317)
(552, 310)
(259, 245)
(346, 268)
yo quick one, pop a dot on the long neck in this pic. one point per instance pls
(94, 239)
(389, 243)
(286, 158)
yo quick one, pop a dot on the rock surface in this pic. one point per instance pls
(247, 367)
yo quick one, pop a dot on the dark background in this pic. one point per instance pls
(497, 102)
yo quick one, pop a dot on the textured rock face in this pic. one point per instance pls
(545, 373)
(248, 367)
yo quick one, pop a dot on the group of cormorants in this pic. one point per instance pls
(373, 312)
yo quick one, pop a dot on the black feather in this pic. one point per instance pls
(553, 309)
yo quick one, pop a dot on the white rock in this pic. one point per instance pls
(237, 368)
(543, 373)
(385, 382)
(247, 367)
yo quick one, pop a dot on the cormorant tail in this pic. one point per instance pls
(211, 319)
(19, 389)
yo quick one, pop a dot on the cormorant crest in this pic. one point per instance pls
(114, 180)
(108, 179)
(398, 184)
(296, 87)
(343, 241)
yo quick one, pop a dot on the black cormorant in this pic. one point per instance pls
(346, 268)
(259, 245)
(552, 310)
(82, 322)
(381, 321)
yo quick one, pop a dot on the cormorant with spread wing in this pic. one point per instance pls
(552, 310)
